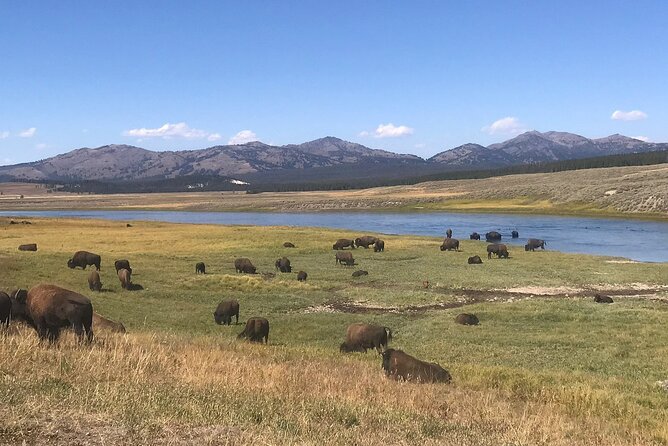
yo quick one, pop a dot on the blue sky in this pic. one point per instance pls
(414, 77)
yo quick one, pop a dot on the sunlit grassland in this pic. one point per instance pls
(538, 370)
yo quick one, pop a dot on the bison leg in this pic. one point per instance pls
(489, 255)
(237, 316)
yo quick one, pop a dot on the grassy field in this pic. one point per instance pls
(546, 366)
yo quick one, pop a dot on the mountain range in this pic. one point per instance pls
(123, 162)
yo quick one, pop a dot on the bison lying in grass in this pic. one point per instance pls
(467, 319)
(401, 366)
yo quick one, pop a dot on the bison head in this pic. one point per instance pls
(217, 318)
(19, 304)
(70, 263)
(387, 354)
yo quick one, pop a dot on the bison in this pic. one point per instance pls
(345, 258)
(448, 233)
(602, 299)
(343, 243)
(48, 308)
(200, 268)
(379, 246)
(450, 244)
(244, 265)
(493, 236)
(514, 234)
(301, 276)
(5, 308)
(82, 259)
(28, 247)
(361, 336)
(360, 273)
(475, 260)
(125, 278)
(256, 329)
(401, 366)
(283, 265)
(533, 244)
(365, 241)
(101, 322)
(474, 236)
(94, 281)
(467, 319)
(224, 312)
(122, 264)
(288, 245)
(499, 249)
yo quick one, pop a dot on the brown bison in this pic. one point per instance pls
(28, 247)
(224, 312)
(449, 244)
(244, 265)
(48, 308)
(5, 308)
(256, 329)
(288, 245)
(122, 264)
(467, 319)
(400, 366)
(94, 281)
(379, 246)
(360, 273)
(448, 233)
(361, 336)
(343, 243)
(345, 258)
(533, 244)
(82, 259)
(102, 323)
(493, 236)
(499, 249)
(283, 265)
(475, 260)
(474, 236)
(602, 299)
(365, 241)
(125, 278)
(301, 276)
(200, 268)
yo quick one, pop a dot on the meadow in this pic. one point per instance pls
(546, 365)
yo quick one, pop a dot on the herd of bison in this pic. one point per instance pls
(48, 308)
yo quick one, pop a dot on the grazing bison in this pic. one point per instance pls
(602, 299)
(379, 246)
(28, 247)
(200, 268)
(514, 234)
(401, 366)
(343, 243)
(499, 249)
(224, 312)
(288, 245)
(475, 260)
(94, 281)
(361, 336)
(5, 308)
(256, 329)
(126, 278)
(244, 265)
(365, 241)
(82, 259)
(345, 258)
(474, 236)
(283, 265)
(128, 225)
(102, 323)
(449, 244)
(122, 264)
(533, 244)
(467, 319)
(493, 236)
(301, 276)
(448, 233)
(360, 273)
(48, 308)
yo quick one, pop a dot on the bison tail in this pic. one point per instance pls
(389, 334)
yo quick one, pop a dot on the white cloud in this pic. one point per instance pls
(169, 131)
(633, 115)
(213, 137)
(4, 134)
(41, 146)
(242, 137)
(389, 131)
(642, 138)
(508, 125)
(28, 133)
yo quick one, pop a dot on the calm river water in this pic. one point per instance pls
(638, 240)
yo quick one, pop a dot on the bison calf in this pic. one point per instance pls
(256, 329)
(401, 366)
(28, 247)
(361, 336)
(224, 312)
(200, 268)
(101, 322)
(94, 281)
(467, 319)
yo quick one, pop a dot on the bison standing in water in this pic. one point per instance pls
(493, 236)
(401, 366)
(225, 310)
(82, 259)
(361, 336)
(256, 329)
(448, 233)
(283, 265)
(449, 244)
(533, 244)
(474, 236)
(94, 281)
(244, 265)
(499, 249)
(48, 308)
(343, 243)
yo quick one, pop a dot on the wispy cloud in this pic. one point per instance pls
(7, 161)
(171, 131)
(4, 134)
(41, 146)
(642, 138)
(509, 125)
(389, 131)
(633, 115)
(28, 133)
(242, 137)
